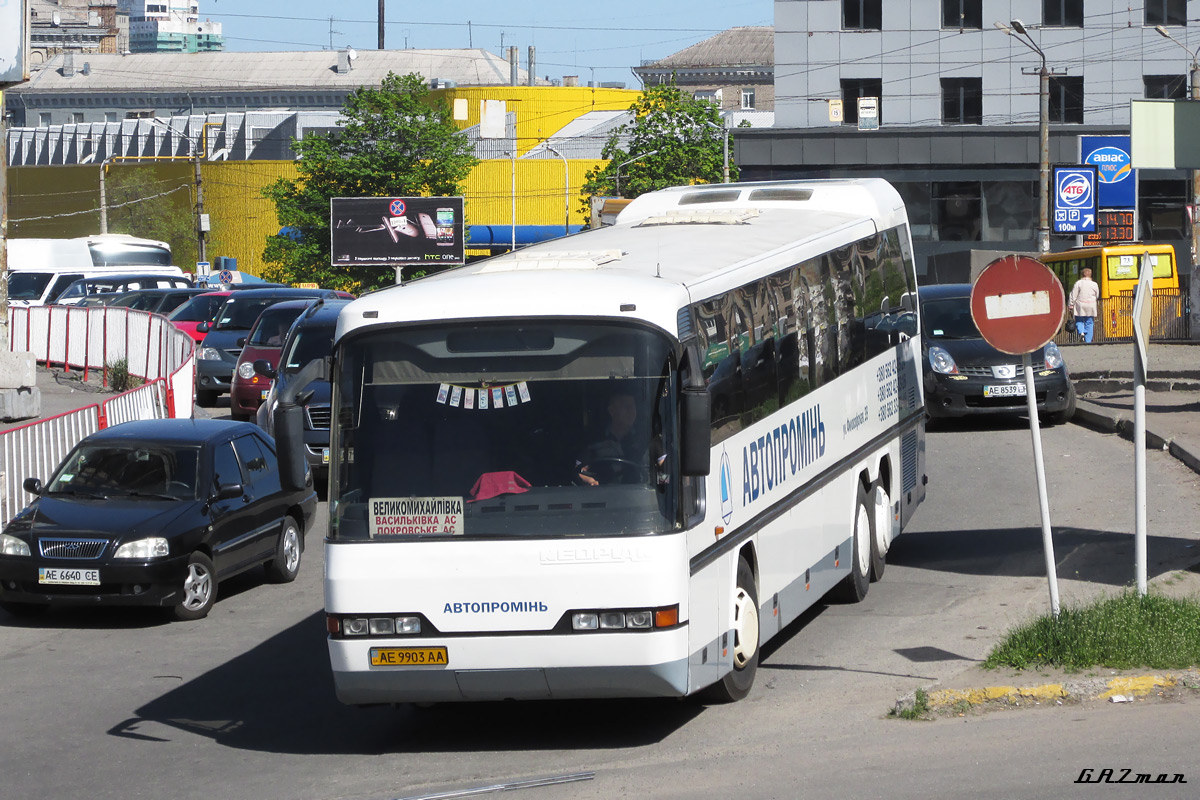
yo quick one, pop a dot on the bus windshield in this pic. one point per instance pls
(504, 430)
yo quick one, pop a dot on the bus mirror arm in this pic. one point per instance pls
(289, 425)
(696, 436)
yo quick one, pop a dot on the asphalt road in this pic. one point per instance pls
(118, 704)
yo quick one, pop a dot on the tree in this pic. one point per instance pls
(397, 141)
(673, 140)
(144, 200)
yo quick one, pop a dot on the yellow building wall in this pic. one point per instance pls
(241, 217)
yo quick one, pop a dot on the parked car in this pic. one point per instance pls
(157, 301)
(310, 337)
(157, 512)
(964, 375)
(265, 340)
(201, 308)
(116, 284)
(225, 337)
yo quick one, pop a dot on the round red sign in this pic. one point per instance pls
(1018, 304)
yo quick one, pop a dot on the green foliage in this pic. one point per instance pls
(1122, 632)
(155, 204)
(120, 378)
(398, 141)
(676, 140)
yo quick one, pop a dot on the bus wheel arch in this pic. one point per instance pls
(736, 683)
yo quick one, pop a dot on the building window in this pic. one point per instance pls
(747, 99)
(110, 116)
(962, 101)
(1062, 13)
(962, 13)
(1166, 12)
(1165, 87)
(862, 15)
(957, 211)
(1066, 99)
(77, 117)
(854, 88)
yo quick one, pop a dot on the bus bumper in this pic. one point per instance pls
(514, 673)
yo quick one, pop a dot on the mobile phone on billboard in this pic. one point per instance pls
(445, 225)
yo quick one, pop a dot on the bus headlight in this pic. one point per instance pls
(637, 619)
(942, 361)
(1054, 358)
(372, 626)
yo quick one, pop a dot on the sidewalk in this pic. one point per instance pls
(62, 391)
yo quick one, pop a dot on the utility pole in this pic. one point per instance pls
(1043, 131)
(381, 47)
(103, 196)
(201, 217)
(3, 231)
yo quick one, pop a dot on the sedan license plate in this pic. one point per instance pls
(69, 577)
(1005, 390)
(409, 656)
(264, 394)
(324, 455)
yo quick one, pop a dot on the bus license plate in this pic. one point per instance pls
(69, 577)
(1005, 390)
(409, 656)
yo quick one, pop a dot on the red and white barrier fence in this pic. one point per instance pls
(92, 339)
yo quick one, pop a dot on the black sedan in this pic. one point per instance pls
(964, 375)
(154, 513)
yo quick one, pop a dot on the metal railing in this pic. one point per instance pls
(1114, 319)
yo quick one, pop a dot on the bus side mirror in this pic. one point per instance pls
(696, 434)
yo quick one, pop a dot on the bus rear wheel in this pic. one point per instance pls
(737, 683)
(881, 529)
(854, 586)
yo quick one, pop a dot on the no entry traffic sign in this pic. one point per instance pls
(1018, 304)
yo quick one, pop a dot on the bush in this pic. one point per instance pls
(120, 378)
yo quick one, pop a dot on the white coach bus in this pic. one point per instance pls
(521, 500)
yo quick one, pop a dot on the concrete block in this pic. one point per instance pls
(22, 403)
(17, 370)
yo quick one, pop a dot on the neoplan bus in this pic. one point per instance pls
(530, 494)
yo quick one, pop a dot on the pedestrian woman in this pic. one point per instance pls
(1084, 296)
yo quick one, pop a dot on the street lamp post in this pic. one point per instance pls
(724, 148)
(617, 174)
(1192, 218)
(566, 190)
(1043, 131)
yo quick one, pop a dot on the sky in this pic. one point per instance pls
(596, 41)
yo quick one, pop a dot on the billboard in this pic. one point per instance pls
(1117, 180)
(396, 231)
(14, 44)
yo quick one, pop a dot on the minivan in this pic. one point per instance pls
(37, 287)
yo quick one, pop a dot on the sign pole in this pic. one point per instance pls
(1142, 307)
(1018, 305)
(1035, 430)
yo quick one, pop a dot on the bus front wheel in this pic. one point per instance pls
(737, 683)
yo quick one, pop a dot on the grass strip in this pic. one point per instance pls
(1122, 632)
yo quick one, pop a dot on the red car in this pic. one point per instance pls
(265, 341)
(201, 308)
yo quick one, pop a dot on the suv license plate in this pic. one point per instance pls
(69, 577)
(1005, 390)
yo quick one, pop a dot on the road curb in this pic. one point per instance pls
(1111, 423)
(1123, 689)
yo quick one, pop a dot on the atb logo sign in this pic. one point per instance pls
(1074, 199)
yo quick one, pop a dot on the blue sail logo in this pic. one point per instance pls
(726, 488)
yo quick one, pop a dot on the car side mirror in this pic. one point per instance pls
(33, 486)
(203, 327)
(241, 342)
(228, 491)
(264, 368)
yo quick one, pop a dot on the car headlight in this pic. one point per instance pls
(246, 370)
(941, 361)
(12, 546)
(209, 354)
(154, 547)
(1054, 358)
